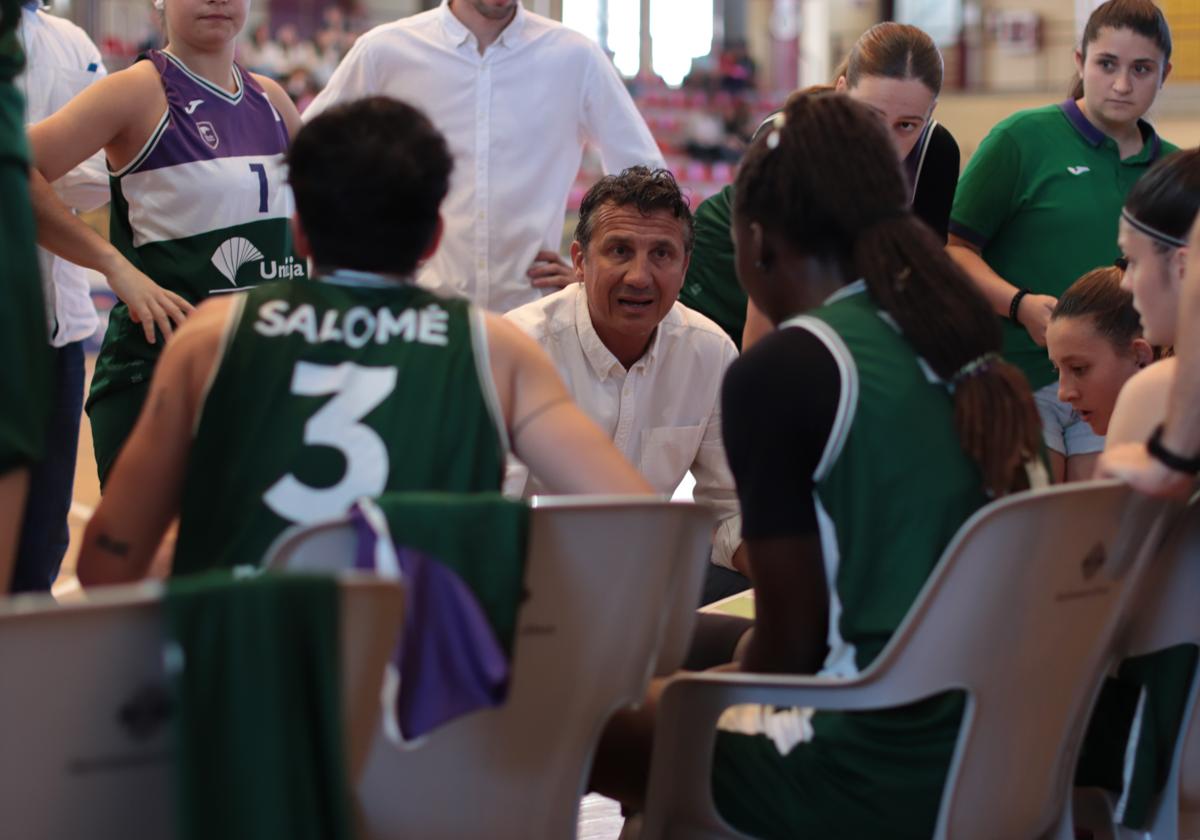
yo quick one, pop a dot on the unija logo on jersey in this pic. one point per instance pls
(285, 270)
(238, 251)
(208, 134)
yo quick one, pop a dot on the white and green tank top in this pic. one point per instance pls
(329, 390)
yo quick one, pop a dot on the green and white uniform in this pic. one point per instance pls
(327, 391)
(203, 208)
(885, 484)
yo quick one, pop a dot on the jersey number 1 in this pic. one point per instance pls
(261, 171)
(356, 391)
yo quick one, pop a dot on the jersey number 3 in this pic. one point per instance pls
(356, 391)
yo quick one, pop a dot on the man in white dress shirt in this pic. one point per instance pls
(61, 61)
(646, 368)
(517, 96)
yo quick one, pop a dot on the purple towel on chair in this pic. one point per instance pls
(449, 661)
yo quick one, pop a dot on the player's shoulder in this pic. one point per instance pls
(1142, 403)
(1152, 380)
(127, 91)
(141, 75)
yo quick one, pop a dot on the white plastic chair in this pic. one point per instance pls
(86, 744)
(1020, 613)
(599, 573)
(1167, 613)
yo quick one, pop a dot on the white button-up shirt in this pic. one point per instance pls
(516, 119)
(664, 413)
(60, 62)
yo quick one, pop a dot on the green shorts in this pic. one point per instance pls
(113, 418)
(831, 787)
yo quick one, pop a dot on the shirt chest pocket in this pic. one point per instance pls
(668, 453)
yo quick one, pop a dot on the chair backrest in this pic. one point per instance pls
(1022, 614)
(687, 582)
(598, 575)
(86, 743)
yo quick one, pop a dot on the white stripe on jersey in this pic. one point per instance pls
(163, 206)
(847, 394)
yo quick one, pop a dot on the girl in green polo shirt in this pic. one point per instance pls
(1039, 201)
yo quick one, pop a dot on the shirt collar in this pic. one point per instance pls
(1075, 117)
(1152, 142)
(458, 34)
(602, 361)
(367, 279)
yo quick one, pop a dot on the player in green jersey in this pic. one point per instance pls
(287, 403)
(25, 383)
(862, 433)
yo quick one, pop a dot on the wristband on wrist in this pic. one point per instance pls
(1015, 306)
(1169, 459)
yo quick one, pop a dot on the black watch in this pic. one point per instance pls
(1014, 306)
(1188, 466)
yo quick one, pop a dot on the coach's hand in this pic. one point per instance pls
(550, 271)
(149, 303)
(1034, 315)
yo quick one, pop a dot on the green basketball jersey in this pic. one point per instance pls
(892, 488)
(27, 376)
(329, 390)
(894, 484)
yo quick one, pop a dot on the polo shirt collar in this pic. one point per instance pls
(1082, 124)
(1151, 149)
(458, 34)
(601, 360)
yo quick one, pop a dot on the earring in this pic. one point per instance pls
(759, 265)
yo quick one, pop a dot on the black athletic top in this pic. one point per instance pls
(778, 405)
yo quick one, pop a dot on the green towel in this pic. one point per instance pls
(481, 537)
(257, 688)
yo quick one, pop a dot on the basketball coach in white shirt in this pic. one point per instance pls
(642, 365)
(517, 96)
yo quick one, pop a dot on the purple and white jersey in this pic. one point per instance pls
(215, 161)
(203, 207)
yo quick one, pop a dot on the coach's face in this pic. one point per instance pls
(631, 271)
